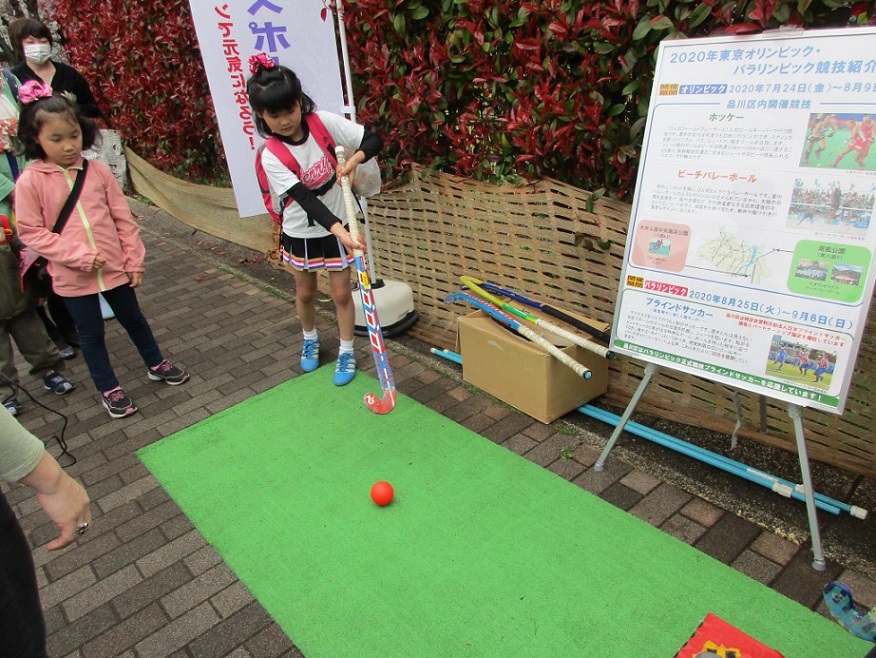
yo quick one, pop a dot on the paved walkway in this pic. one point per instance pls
(143, 583)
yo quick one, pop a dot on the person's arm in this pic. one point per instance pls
(36, 234)
(371, 145)
(317, 211)
(126, 226)
(84, 97)
(23, 458)
(62, 498)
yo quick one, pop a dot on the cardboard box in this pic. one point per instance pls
(501, 362)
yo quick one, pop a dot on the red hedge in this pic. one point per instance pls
(143, 62)
(491, 90)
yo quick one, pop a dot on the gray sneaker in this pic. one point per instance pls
(168, 373)
(117, 403)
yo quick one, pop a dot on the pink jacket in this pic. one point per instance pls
(100, 222)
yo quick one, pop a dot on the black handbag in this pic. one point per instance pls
(33, 268)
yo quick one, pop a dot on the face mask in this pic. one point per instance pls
(38, 53)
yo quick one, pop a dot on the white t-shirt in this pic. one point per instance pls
(316, 170)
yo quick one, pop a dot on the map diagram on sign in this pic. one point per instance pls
(735, 257)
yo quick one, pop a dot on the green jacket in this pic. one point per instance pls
(13, 302)
(7, 183)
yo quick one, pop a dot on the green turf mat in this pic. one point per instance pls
(482, 553)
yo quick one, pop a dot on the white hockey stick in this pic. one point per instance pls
(369, 308)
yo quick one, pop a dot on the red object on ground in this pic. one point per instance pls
(716, 637)
(382, 493)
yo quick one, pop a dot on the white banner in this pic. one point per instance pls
(297, 35)
(749, 256)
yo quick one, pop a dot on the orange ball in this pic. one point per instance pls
(382, 493)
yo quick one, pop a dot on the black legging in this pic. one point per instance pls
(22, 627)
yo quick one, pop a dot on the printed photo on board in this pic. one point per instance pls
(839, 141)
(831, 205)
(799, 363)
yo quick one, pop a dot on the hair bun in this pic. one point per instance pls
(259, 62)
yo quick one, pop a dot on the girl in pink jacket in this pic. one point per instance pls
(99, 248)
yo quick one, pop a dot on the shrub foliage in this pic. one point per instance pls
(143, 63)
(492, 90)
(540, 87)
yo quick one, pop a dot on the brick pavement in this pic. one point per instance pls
(143, 583)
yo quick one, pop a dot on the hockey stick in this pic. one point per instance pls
(550, 310)
(375, 334)
(475, 286)
(580, 369)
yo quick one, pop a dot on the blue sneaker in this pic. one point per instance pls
(13, 406)
(345, 370)
(57, 383)
(310, 355)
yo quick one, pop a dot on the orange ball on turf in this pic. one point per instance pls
(382, 493)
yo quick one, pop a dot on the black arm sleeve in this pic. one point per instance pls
(371, 145)
(316, 210)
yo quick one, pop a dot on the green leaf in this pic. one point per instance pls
(398, 22)
(782, 13)
(661, 23)
(642, 29)
(702, 12)
(614, 110)
(603, 47)
(637, 127)
(419, 13)
(631, 87)
(521, 18)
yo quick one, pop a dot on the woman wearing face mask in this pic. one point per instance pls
(33, 41)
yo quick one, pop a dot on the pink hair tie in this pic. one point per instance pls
(32, 91)
(260, 61)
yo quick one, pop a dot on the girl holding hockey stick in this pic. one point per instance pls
(302, 171)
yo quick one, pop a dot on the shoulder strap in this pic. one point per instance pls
(283, 154)
(64, 215)
(322, 136)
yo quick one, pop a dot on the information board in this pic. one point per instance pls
(749, 257)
